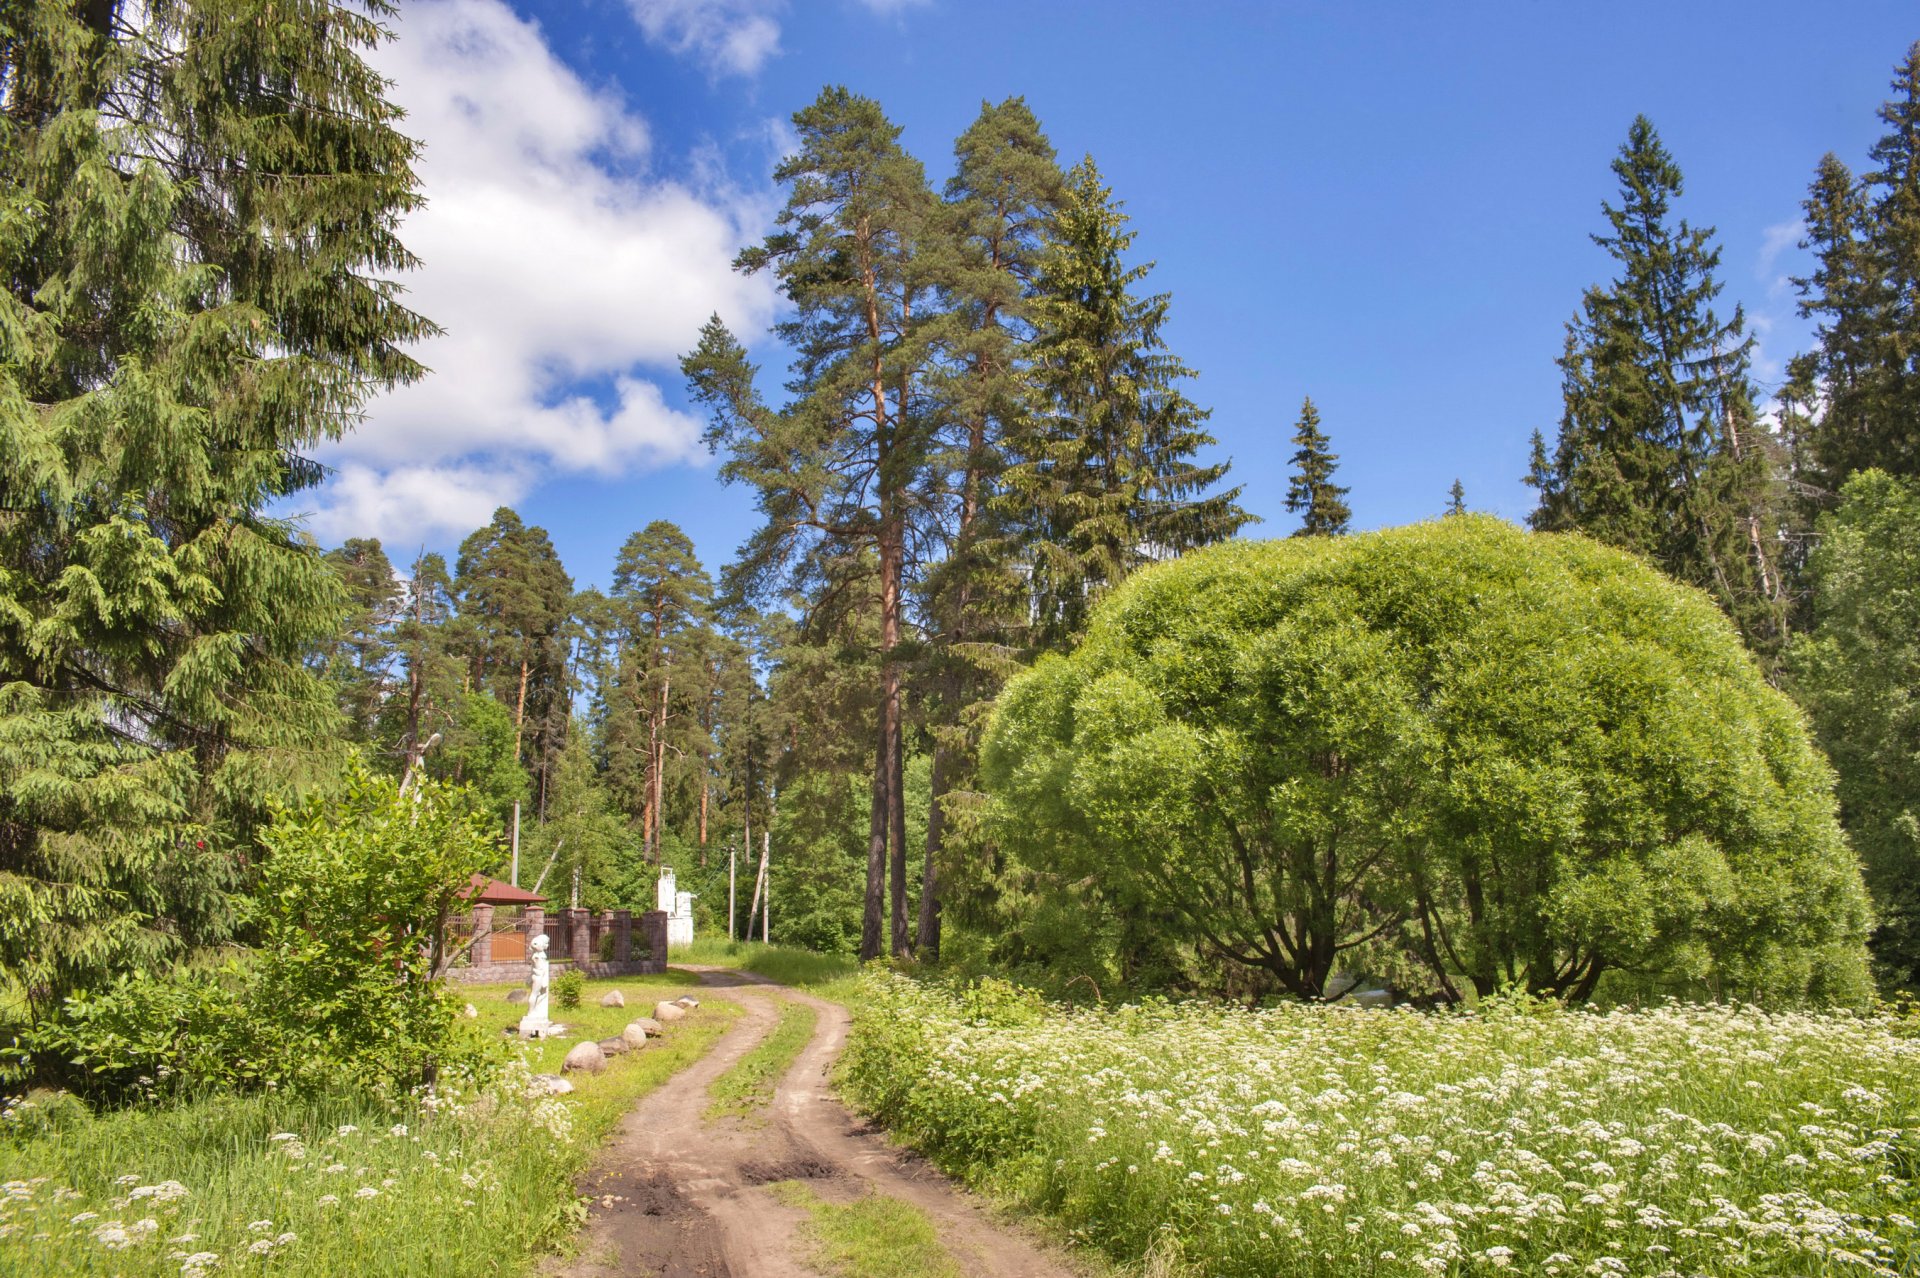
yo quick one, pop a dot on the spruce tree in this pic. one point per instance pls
(1102, 477)
(1864, 294)
(1659, 451)
(202, 200)
(1311, 492)
(1457, 499)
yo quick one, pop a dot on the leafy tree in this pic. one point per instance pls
(477, 752)
(1102, 478)
(844, 469)
(357, 894)
(584, 834)
(1452, 754)
(201, 201)
(1311, 492)
(1857, 674)
(1659, 451)
(1456, 499)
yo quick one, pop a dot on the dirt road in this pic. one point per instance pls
(677, 1195)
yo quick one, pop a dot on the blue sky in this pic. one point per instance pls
(1383, 206)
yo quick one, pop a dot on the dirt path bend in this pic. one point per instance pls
(677, 1195)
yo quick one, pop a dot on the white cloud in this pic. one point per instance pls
(410, 506)
(1774, 241)
(887, 8)
(734, 37)
(556, 261)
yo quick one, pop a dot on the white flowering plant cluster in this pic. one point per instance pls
(1677, 1142)
(267, 1184)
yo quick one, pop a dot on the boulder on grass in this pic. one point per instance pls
(667, 1012)
(548, 1085)
(687, 1000)
(635, 1034)
(517, 996)
(613, 1046)
(585, 1056)
(613, 998)
(470, 1012)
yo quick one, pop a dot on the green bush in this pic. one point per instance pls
(353, 905)
(1455, 756)
(567, 988)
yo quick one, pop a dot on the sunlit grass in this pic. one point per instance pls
(337, 1185)
(870, 1237)
(748, 1086)
(827, 975)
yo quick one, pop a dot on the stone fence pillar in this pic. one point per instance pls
(534, 920)
(481, 953)
(653, 929)
(622, 935)
(577, 937)
(602, 929)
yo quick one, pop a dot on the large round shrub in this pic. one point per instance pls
(1457, 755)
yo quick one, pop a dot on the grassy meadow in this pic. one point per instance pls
(1328, 1142)
(476, 1182)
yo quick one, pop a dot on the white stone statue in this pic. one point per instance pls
(535, 1024)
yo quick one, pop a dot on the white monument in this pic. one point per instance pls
(535, 1023)
(678, 907)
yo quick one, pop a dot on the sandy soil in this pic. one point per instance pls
(676, 1195)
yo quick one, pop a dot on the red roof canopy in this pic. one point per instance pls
(486, 891)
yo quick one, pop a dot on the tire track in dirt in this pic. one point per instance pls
(677, 1196)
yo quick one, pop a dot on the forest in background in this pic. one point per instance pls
(980, 434)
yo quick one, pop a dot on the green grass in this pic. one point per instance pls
(870, 1237)
(830, 976)
(402, 1190)
(748, 1086)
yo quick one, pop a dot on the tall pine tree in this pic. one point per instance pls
(845, 469)
(516, 610)
(201, 203)
(1311, 492)
(1000, 202)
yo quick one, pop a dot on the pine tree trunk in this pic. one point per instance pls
(520, 710)
(660, 769)
(897, 827)
(873, 916)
